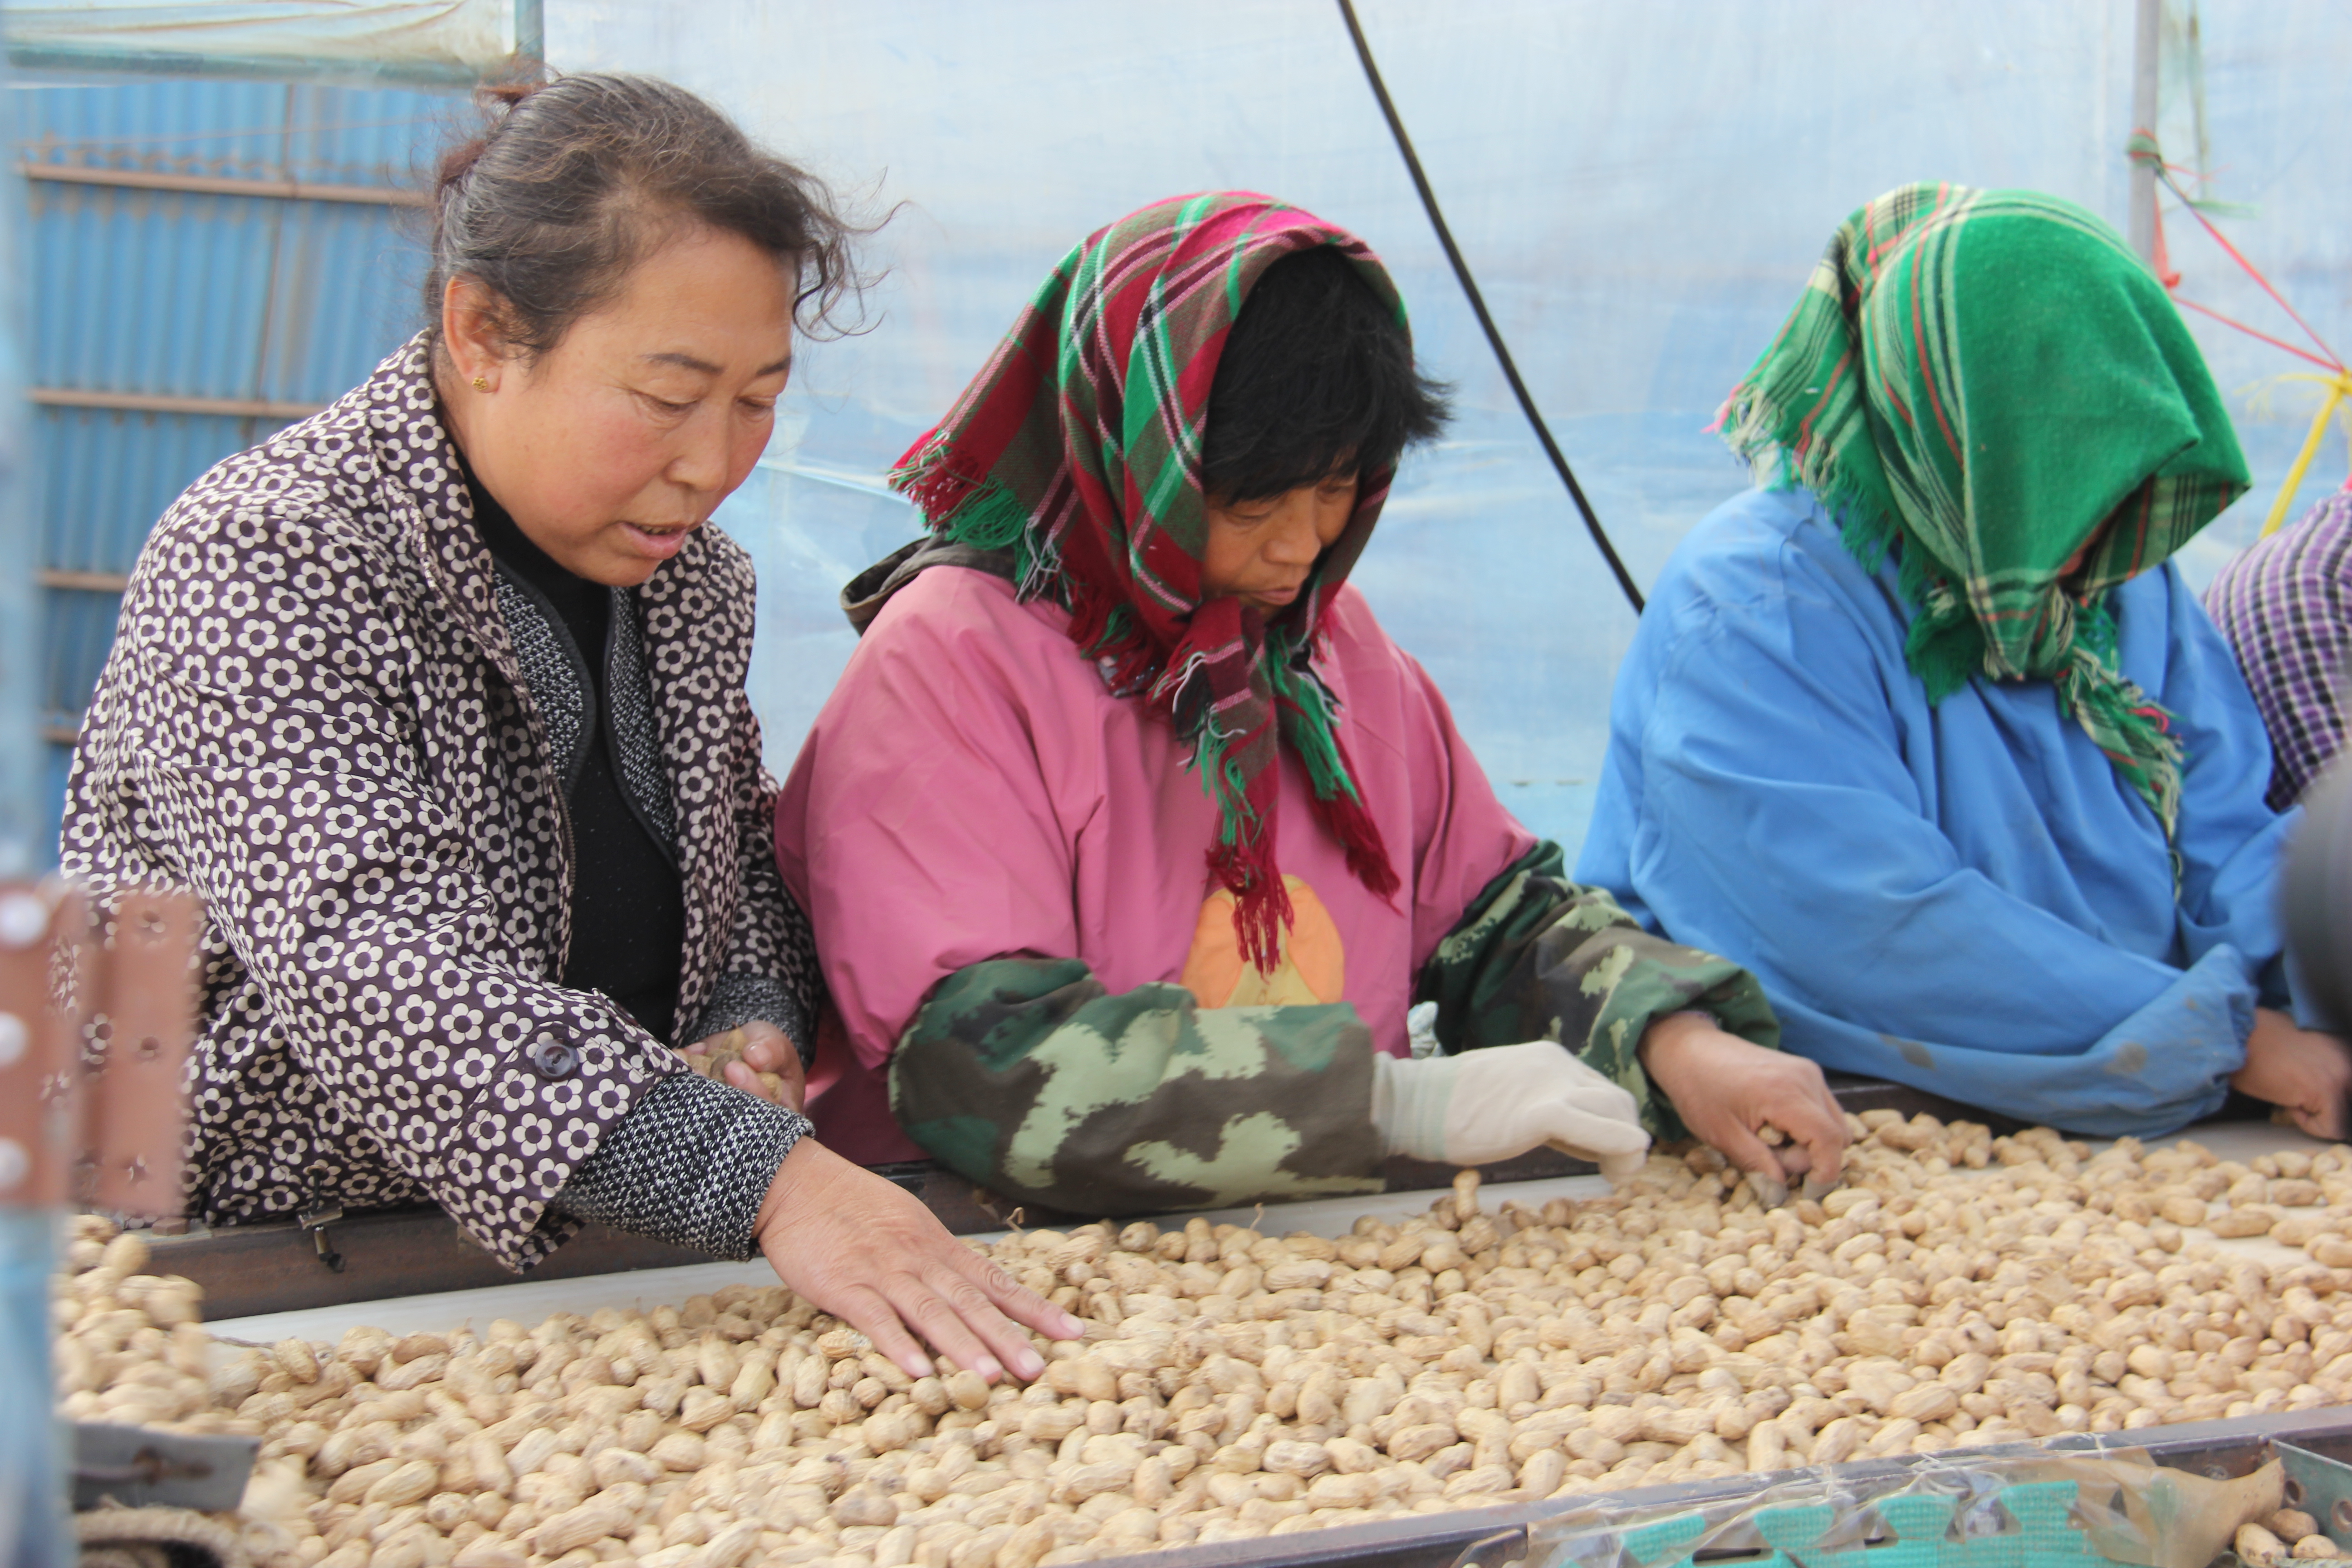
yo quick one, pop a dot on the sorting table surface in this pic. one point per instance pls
(528, 1302)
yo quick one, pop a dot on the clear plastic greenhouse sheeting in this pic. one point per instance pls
(468, 36)
(1642, 190)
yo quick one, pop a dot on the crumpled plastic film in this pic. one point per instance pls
(2014, 1508)
(473, 35)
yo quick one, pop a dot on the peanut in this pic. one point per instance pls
(1235, 1383)
(2258, 1548)
(2291, 1524)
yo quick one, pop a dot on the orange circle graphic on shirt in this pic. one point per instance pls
(1313, 966)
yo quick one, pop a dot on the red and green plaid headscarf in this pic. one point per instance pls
(1078, 447)
(1983, 380)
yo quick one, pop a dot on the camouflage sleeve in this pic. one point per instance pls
(1026, 1076)
(1538, 957)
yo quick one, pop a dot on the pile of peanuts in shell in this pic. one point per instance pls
(1959, 1289)
(2288, 1534)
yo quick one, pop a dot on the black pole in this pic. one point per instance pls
(1478, 308)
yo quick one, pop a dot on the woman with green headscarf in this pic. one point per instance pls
(1926, 730)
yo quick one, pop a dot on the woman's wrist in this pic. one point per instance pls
(1666, 1034)
(806, 1151)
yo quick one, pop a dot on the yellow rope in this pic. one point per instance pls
(2338, 385)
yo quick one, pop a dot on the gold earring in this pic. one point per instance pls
(481, 384)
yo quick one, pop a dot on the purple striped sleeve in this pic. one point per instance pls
(2282, 604)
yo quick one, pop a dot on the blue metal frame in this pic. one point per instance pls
(33, 1530)
(21, 797)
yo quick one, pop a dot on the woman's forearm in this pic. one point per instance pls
(1029, 1077)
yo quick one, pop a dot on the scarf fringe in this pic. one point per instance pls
(1368, 857)
(1262, 911)
(2119, 701)
(976, 509)
(934, 476)
(1242, 860)
(1943, 644)
(1308, 713)
(1106, 631)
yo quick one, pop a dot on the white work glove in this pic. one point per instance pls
(1421, 1032)
(1485, 1106)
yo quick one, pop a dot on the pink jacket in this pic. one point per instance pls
(972, 789)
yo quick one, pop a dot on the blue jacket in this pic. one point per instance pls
(1966, 896)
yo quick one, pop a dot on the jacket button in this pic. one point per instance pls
(554, 1059)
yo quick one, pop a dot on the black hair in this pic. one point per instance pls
(578, 179)
(1317, 381)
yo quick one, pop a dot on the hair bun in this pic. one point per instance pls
(546, 210)
(508, 93)
(499, 100)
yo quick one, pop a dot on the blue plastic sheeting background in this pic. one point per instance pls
(1642, 191)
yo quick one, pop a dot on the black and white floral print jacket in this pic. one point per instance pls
(314, 715)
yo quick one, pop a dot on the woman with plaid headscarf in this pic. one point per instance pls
(1928, 731)
(1128, 836)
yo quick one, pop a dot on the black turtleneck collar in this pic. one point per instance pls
(582, 605)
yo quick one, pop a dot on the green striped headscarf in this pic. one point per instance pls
(1984, 381)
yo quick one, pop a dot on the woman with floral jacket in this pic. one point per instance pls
(437, 698)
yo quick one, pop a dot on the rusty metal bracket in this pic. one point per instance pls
(97, 1018)
(141, 1005)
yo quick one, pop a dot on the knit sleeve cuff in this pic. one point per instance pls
(689, 1164)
